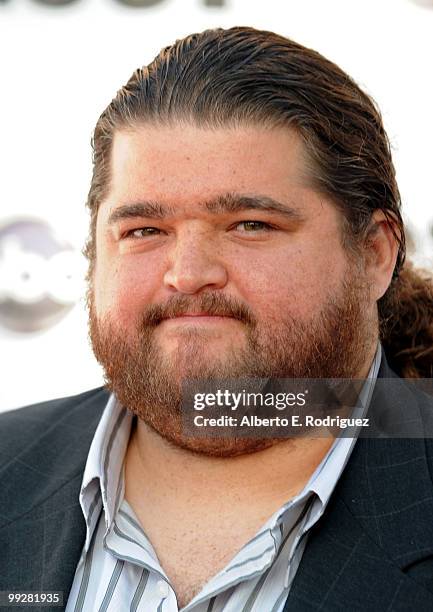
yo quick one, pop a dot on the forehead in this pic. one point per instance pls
(183, 164)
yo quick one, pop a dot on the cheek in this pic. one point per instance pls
(123, 288)
(298, 283)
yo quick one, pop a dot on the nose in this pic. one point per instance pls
(194, 264)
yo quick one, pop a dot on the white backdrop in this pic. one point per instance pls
(62, 65)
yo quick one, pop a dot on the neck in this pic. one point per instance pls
(283, 467)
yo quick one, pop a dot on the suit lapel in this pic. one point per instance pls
(44, 546)
(44, 532)
(343, 568)
(375, 529)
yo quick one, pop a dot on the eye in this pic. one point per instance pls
(254, 226)
(141, 232)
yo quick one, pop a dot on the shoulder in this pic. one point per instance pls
(19, 428)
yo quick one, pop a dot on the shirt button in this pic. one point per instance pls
(163, 588)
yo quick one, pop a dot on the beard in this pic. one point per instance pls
(334, 343)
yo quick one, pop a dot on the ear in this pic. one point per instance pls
(382, 250)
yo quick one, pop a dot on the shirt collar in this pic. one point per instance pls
(338, 455)
(101, 484)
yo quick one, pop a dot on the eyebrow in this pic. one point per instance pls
(227, 203)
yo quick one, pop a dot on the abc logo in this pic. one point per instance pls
(41, 276)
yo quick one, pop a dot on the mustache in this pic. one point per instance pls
(213, 304)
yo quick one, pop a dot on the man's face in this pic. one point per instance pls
(215, 259)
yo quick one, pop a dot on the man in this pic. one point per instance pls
(245, 223)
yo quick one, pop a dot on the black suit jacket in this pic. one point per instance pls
(372, 549)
